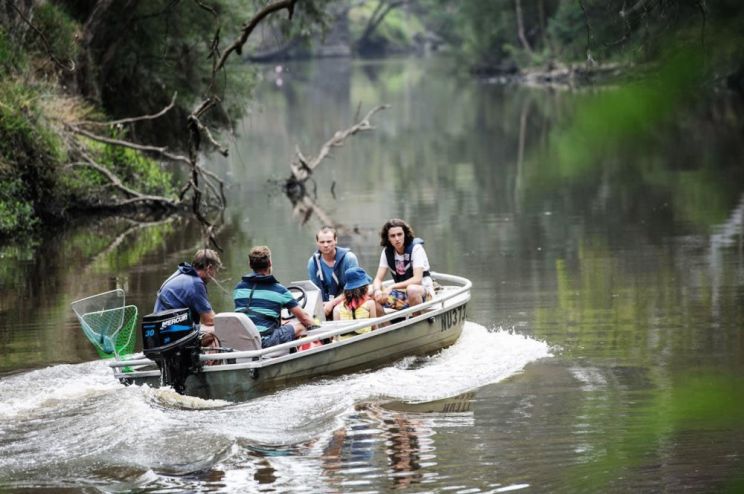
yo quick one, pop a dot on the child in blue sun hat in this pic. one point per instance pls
(357, 302)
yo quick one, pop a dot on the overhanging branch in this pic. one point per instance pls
(162, 151)
(248, 28)
(123, 121)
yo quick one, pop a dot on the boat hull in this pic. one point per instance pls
(422, 335)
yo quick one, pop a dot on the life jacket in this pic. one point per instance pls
(326, 285)
(348, 312)
(390, 256)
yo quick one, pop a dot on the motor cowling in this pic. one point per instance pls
(171, 339)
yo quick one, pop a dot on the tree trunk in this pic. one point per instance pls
(520, 27)
(382, 10)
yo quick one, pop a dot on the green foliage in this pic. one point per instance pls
(88, 186)
(399, 28)
(612, 135)
(135, 169)
(144, 52)
(16, 214)
(137, 245)
(59, 34)
(608, 120)
(29, 157)
(486, 33)
(395, 33)
(11, 57)
(568, 31)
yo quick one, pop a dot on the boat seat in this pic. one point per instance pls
(236, 330)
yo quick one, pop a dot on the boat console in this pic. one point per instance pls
(309, 297)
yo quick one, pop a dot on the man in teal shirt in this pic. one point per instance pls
(261, 297)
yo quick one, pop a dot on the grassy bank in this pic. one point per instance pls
(40, 179)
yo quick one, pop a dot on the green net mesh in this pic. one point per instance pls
(108, 323)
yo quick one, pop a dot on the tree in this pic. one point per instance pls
(131, 56)
(381, 10)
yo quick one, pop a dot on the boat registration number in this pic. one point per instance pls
(452, 317)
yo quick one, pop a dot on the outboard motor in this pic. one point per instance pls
(171, 339)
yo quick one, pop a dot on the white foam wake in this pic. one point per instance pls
(66, 413)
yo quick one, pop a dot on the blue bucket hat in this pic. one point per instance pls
(356, 278)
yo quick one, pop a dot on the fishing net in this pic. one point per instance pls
(108, 323)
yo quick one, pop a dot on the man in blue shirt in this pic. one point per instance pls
(187, 288)
(326, 268)
(262, 298)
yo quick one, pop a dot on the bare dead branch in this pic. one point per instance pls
(196, 128)
(703, 13)
(303, 169)
(520, 27)
(300, 157)
(220, 148)
(248, 28)
(163, 151)
(589, 35)
(206, 7)
(306, 207)
(184, 189)
(123, 121)
(218, 195)
(146, 198)
(117, 183)
(295, 186)
(205, 106)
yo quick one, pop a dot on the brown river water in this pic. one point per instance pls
(603, 350)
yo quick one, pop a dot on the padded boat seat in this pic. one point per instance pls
(236, 330)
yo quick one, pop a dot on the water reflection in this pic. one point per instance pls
(392, 439)
(265, 473)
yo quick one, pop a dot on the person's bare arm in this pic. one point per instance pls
(303, 317)
(206, 320)
(329, 306)
(416, 279)
(372, 308)
(377, 292)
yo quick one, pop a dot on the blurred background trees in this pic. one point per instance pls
(63, 61)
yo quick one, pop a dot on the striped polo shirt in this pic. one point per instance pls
(269, 297)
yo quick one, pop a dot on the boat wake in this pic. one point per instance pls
(67, 415)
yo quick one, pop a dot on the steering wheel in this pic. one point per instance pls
(300, 297)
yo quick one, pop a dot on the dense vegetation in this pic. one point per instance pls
(66, 62)
(510, 35)
(68, 67)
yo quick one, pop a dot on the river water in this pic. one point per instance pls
(603, 350)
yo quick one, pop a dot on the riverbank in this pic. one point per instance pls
(557, 74)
